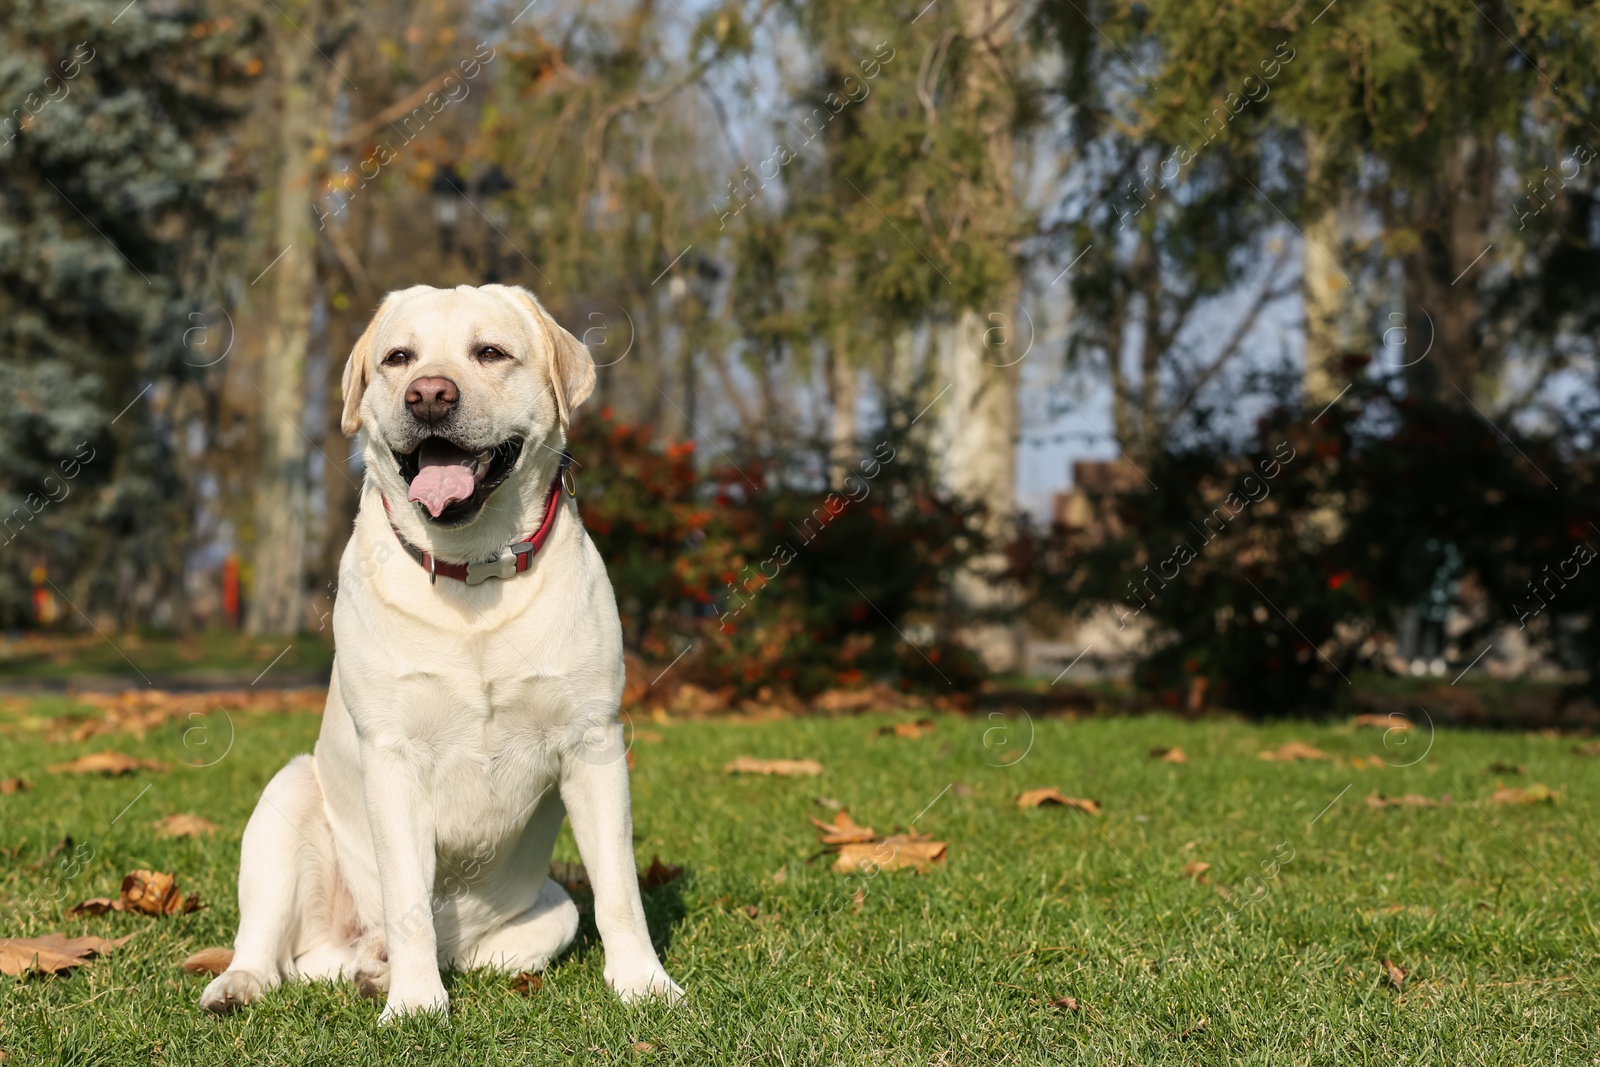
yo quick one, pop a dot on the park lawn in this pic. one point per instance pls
(1489, 908)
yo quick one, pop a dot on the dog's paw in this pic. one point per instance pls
(645, 983)
(232, 989)
(435, 1002)
(372, 978)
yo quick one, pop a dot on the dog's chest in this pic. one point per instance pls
(496, 764)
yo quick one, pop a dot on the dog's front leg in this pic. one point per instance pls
(594, 788)
(400, 814)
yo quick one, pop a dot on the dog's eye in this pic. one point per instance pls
(398, 358)
(491, 354)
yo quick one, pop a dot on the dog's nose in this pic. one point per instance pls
(430, 399)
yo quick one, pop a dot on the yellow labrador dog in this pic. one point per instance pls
(475, 689)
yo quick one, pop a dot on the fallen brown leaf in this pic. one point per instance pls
(209, 961)
(1169, 755)
(14, 785)
(1537, 793)
(1394, 974)
(1382, 722)
(659, 874)
(752, 910)
(107, 763)
(1038, 798)
(891, 854)
(527, 983)
(1196, 870)
(1590, 749)
(1376, 799)
(150, 893)
(843, 830)
(781, 875)
(52, 953)
(858, 900)
(137, 711)
(649, 737)
(827, 802)
(643, 1046)
(961, 789)
(1065, 1003)
(95, 906)
(1290, 751)
(785, 768)
(1195, 1029)
(1502, 767)
(910, 731)
(184, 825)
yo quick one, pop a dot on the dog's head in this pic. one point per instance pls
(454, 387)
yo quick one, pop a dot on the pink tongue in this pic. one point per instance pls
(444, 478)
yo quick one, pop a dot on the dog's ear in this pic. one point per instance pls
(358, 372)
(571, 366)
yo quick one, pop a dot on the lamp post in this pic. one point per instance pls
(448, 190)
(491, 187)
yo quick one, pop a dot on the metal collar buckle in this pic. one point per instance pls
(504, 567)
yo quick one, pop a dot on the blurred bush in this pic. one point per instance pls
(774, 577)
(1271, 569)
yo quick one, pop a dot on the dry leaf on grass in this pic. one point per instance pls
(52, 953)
(1381, 722)
(860, 849)
(142, 893)
(643, 1046)
(910, 731)
(1394, 974)
(1376, 799)
(1065, 1003)
(843, 830)
(659, 874)
(897, 853)
(785, 768)
(1290, 751)
(94, 906)
(13, 785)
(209, 961)
(137, 711)
(1169, 755)
(107, 763)
(184, 825)
(1500, 766)
(1590, 749)
(1195, 1029)
(1196, 870)
(527, 983)
(1038, 798)
(1537, 793)
(152, 893)
(781, 875)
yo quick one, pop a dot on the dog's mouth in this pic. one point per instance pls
(451, 482)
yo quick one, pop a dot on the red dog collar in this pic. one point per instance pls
(513, 559)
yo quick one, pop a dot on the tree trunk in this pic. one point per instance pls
(1324, 292)
(842, 394)
(277, 602)
(978, 347)
(1451, 218)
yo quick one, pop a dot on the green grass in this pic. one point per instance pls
(153, 654)
(1494, 922)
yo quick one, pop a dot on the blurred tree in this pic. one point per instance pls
(113, 205)
(308, 41)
